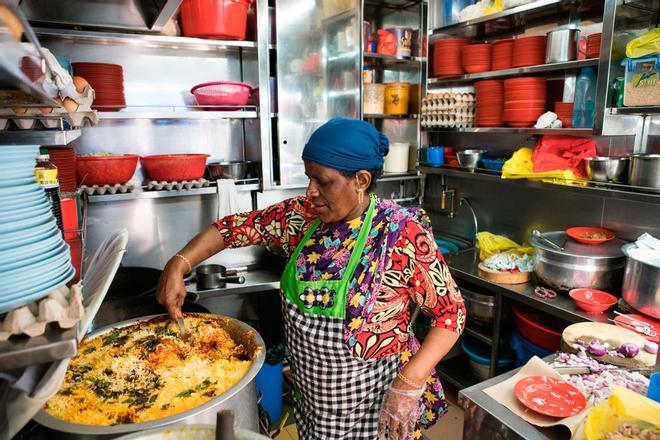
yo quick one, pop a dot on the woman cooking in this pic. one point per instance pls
(355, 264)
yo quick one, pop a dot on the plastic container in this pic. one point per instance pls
(435, 156)
(397, 96)
(535, 326)
(231, 95)
(479, 355)
(269, 383)
(641, 85)
(396, 160)
(374, 99)
(105, 170)
(45, 172)
(215, 18)
(403, 40)
(175, 167)
(525, 350)
(653, 392)
(585, 97)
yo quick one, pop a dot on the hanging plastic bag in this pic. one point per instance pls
(554, 153)
(647, 44)
(491, 244)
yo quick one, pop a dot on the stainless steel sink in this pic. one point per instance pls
(449, 243)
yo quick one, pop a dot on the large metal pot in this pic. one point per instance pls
(645, 171)
(479, 307)
(242, 397)
(641, 285)
(578, 265)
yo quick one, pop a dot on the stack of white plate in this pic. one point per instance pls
(34, 259)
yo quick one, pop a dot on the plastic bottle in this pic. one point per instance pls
(585, 97)
(45, 173)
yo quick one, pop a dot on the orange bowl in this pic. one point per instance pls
(592, 300)
(582, 234)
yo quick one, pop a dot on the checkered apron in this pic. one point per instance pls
(341, 394)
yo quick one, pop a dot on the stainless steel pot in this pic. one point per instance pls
(641, 285)
(562, 45)
(214, 276)
(242, 397)
(479, 307)
(578, 265)
(227, 170)
(645, 170)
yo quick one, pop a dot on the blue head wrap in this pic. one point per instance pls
(347, 145)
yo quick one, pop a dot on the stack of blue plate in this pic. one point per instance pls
(34, 259)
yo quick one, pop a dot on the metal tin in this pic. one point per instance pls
(480, 307)
(578, 265)
(562, 45)
(404, 36)
(242, 397)
(645, 170)
(641, 285)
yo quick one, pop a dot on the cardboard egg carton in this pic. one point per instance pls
(447, 121)
(154, 185)
(447, 101)
(108, 189)
(62, 305)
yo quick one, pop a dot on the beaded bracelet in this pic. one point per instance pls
(408, 381)
(186, 260)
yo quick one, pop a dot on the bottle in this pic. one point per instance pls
(45, 173)
(585, 97)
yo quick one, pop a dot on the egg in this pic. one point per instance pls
(80, 83)
(70, 105)
(19, 110)
(46, 110)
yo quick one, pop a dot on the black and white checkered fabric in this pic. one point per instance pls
(341, 394)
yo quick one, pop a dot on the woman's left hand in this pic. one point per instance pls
(400, 411)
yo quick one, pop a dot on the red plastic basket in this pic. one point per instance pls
(102, 170)
(222, 95)
(175, 167)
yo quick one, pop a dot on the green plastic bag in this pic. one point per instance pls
(647, 44)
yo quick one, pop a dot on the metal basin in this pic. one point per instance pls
(607, 169)
(242, 397)
(641, 285)
(479, 307)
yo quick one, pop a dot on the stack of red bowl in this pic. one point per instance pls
(448, 57)
(529, 51)
(107, 80)
(593, 45)
(564, 112)
(524, 101)
(477, 58)
(490, 103)
(65, 161)
(502, 54)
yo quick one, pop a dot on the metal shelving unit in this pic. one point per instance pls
(378, 116)
(150, 195)
(456, 371)
(640, 111)
(584, 132)
(178, 113)
(54, 344)
(39, 137)
(393, 59)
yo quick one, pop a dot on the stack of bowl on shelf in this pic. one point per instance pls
(593, 45)
(477, 58)
(65, 161)
(448, 56)
(107, 81)
(564, 112)
(448, 110)
(502, 56)
(524, 101)
(529, 51)
(34, 259)
(490, 103)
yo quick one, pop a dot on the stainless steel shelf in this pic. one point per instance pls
(39, 137)
(641, 111)
(379, 116)
(456, 371)
(395, 177)
(178, 114)
(434, 83)
(145, 195)
(478, 333)
(626, 192)
(155, 41)
(54, 344)
(393, 59)
(584, 132)
(507, 18)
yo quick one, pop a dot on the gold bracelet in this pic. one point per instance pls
(408, 381)
(186, 260)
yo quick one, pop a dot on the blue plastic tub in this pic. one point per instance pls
(492, 164)
(269, 383)
(479, 354)
(445, 246)
(525, 350)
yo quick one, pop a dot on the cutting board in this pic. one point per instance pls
(497, 276)
(611, 334)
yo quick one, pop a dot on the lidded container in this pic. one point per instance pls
(374, 99)
(397, 97)
(396, 160)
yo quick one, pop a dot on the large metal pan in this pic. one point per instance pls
(641, 285)
(242, 397)
(578, 265)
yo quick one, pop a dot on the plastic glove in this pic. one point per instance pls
(399, 413)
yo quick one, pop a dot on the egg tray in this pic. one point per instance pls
(154, 185)
(62, 305)
(99, 190)
(447, 121)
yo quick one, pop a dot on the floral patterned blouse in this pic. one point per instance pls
(401, 262)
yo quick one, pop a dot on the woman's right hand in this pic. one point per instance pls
(171, 291)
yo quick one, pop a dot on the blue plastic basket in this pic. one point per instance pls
(525, 350)
(269, 383)
(492, 164)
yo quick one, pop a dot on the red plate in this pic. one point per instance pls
(549, 396)
(578, 233)
(628, 321)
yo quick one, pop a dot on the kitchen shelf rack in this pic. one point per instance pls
(39, 137)
(397, 177)
(189, 112)
(456, 371)
(388, 60)
(146, 195)
(435, 83)
(379, 116)
(54, 344)
(618, 191)
(579, 132)
(151, 41)
(641, 111)
(477, 332)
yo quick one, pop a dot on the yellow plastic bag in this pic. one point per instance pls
(491, 244)
(495, 7)
(622, 406)
(647, 44)
(520, 166)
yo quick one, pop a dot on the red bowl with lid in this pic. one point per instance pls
(175, 167)
(592, 300)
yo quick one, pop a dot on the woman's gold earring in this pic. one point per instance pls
(360, 196)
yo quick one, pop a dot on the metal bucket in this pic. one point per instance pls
(641, 285)
(562, 45)
(242, 397)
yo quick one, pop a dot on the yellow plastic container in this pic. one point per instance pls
(397, 96)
